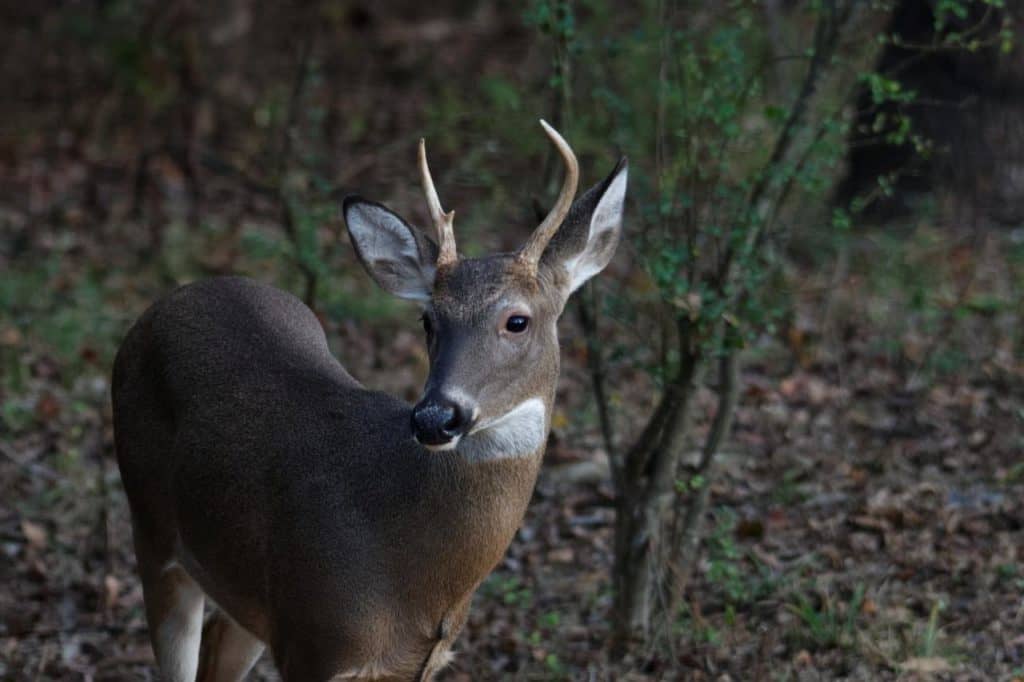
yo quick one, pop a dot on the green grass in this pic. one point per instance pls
(827, 623)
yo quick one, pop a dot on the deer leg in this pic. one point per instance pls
(174, 611)
(228, 650)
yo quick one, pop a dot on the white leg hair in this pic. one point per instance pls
(174, 610)
(228, 650)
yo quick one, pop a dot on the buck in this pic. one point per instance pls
(338, 526)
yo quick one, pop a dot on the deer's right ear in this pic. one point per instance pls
(587, 239)
(400, 258)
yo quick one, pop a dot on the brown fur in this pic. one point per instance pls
(262, 476)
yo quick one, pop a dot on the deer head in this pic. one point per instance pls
(491, 322)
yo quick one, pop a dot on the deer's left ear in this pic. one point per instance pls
(587, 239)
(400, 258)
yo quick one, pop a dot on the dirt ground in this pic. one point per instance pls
(868, 519)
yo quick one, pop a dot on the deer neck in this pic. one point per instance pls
(482, 489)
(482, 504)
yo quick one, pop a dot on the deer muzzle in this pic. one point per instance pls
(439, 421)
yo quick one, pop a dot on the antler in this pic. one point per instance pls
(442, 221)
(533, 248)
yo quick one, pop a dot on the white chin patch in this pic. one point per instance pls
(450, 445)
(517, 433)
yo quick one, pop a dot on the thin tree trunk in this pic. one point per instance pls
(689, 531)
(647, 493)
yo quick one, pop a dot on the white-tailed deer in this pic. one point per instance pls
(339, 526)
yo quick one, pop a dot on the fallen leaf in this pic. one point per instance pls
(10, 336)
(112, 588)
(47, 408)
(34, 533)
(926, 664)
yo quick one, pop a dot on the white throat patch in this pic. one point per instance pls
(517, 433)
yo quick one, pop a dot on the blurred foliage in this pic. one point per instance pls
(154, 143)
(698, 96)
(728, 152)
(267, 124)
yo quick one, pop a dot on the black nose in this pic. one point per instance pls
(436, 420)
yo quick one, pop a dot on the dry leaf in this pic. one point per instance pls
(47, 408)
(926, 664)
(34, 533)
(112, 589)
(10, 336)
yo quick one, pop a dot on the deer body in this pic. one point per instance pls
(339, 526)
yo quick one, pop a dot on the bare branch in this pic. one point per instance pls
(685, 540)
(586, 309)
(826, 35)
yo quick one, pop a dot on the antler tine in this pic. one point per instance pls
(535, 245)
(442, 221)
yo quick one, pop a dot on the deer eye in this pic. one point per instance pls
(427, 326)
(517, 323)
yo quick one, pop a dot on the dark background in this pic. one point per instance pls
(867, 521)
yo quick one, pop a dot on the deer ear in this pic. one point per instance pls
(400, 258)
(587, 239)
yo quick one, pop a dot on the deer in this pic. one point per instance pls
(339, 527)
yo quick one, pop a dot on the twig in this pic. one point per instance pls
(288, 220)
(44, 658)
(664, 460)
(961, 38)
(685, 542)
(223, 167)
(639, 458)
(294, 100)
(596, 366)
(825, 37)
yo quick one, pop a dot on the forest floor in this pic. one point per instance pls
(868, 520)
